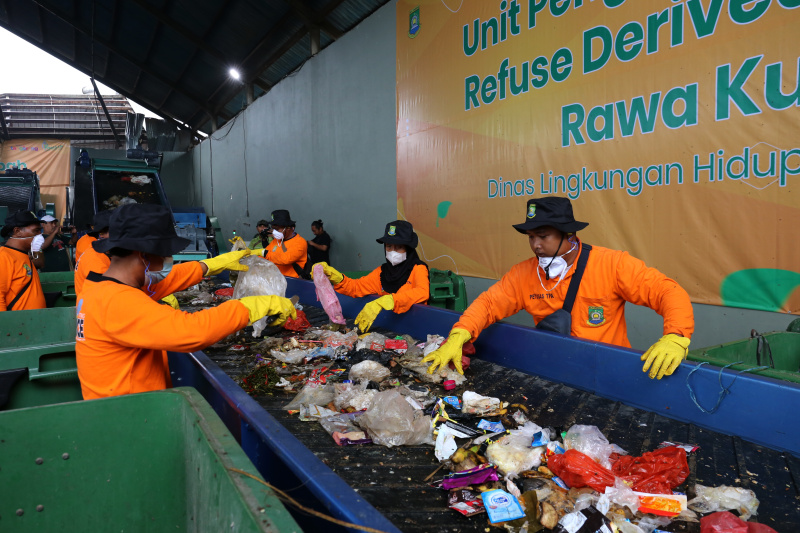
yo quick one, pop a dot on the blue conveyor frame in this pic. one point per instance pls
(758, 409)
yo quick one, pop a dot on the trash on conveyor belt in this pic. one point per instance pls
(490, 463)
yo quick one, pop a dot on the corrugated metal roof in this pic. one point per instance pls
(78, 117)
(173, 56)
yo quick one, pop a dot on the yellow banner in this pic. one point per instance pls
(49, 158)
(673, 125)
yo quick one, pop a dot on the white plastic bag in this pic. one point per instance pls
(261, 279)
(369, 371)
(724, 498)
(311, 394)
(591, 441)
(513, 453)
(477, 405)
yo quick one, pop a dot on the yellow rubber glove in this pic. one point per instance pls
(171, 301)
(261, 306)
(229, 261)
(334, 275)
(664, 357)
(449, 352)
(371, 311)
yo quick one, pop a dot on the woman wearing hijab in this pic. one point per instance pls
(400, 282)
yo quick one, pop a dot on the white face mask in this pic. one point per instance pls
(153, 277)
(277, 234)
(395, 258)
(557, 266)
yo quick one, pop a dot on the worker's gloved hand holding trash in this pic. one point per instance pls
(333, 275)
(449, 352)
(228, 261)
(371, 311)
(261, 306)
(664, 357)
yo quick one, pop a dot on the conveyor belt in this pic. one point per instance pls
(391, 479)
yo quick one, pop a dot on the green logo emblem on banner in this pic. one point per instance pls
(413, 22)
(596, 317)
(392, 231)
(531, 210)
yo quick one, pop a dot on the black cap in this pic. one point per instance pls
(143, 228)
(20, 219)
(550, 211)
(100, 222)
(281, 217)
(262, 222)
(399, 232)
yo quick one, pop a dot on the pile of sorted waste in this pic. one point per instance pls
(495, 463)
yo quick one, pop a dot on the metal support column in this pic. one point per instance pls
(105, 110)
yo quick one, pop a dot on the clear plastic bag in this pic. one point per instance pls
(311, 394)
(369, 371)
(334, 339)
(353, 395)
(591, 441)
(622, 495)
(477, 405)
(372, 341)
(292, 357)
(513, 453)
(391, 421)
(327, 296)
(724, 498)
(261, 279)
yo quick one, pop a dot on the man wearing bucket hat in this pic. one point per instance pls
(262, 237)
(288, 250)
(573, 288)
(400, 282)
(90, 260)
(91, 235)
(123, 334)
(20, 288)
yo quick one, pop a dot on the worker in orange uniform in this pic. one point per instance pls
(89, 260)
(595, 312)
(288, 250)
(20, 288)
(402, 281)
(123, 333)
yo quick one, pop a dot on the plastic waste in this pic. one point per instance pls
(445, 444)
(372, 341)
(465, 502)
(342, 428)
(588, 520)
(656, 472)
(579, 470)
(591, 441)
(353, 396)
(309, 413)
(327, 296)
(311, 394)
(291, 357)
(725, 522)
(475, 404)
(513, 453)
(501, 506)
(391, 421)
(334, 339)
(261, 279)
(724, 498)
(369, 371)
(141, 180)
(622, 495)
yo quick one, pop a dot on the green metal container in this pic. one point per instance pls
(37, 358)
(784, 347)
(448, 290)
(157, 461)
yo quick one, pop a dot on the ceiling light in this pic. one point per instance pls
(234, 74)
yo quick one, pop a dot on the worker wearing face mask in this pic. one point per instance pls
(20, 288)
(401, 281)
(288, 250)
(576, 289)
(123, 333)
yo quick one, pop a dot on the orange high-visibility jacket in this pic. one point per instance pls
(123, 333)
(83, 244)
(611, 278)
(296, 252)
(16, 270)
(416, 289)
(89, 261)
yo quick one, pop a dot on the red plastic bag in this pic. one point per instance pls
(656, 472)
(725, 522)
(579, 470)
(225, 293)
(300, 323)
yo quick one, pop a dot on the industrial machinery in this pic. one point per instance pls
(19, 190)
(102, 184)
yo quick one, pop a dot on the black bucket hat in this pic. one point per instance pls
(20, 219)
(550, 211)
(143, 228)
(100, 222)
(399, 232)
(281, 217)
